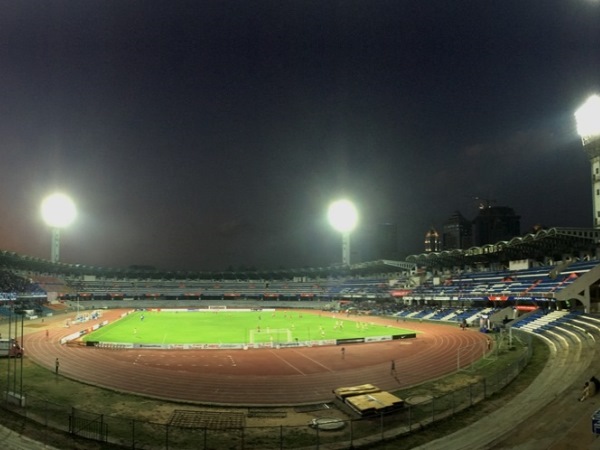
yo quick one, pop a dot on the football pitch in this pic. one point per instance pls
(235, 327)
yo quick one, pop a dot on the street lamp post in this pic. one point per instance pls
(58, 211)
(588, 127)
(343, 217)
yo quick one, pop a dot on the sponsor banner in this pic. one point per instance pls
(204, 310)
(195, 346)
(231, 346)
(526, 308)
(70, 337)
(404, 336)
(116, 344)
(378, 338)
(238, 346)
(209, 346)
(148, 346)
(350, 341)
(401, 292)
(263, 345)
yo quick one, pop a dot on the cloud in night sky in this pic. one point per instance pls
(206, 135)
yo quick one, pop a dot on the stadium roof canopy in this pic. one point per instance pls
(549, 243)
(19, 262)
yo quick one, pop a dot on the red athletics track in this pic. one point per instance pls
(288, 376)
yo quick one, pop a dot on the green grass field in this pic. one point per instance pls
(228, 327)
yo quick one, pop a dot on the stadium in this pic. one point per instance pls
(453, 308)
(174, 276)
(346, 356)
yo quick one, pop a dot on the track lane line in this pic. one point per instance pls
(287, 362)
(314, 361)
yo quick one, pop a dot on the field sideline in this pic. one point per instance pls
(231, 327)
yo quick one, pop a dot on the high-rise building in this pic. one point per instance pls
(457, 232)
(433, 242)
(494, 224)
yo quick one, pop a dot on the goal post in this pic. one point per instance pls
(275, 336)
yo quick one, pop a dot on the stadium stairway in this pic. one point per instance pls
(543, 414)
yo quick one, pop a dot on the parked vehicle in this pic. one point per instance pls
(10, 348)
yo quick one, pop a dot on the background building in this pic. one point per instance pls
(494, 224)
(457, 232)
(433, 242)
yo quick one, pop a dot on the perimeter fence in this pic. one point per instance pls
(205, 431)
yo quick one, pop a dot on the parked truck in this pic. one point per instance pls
(10, 348)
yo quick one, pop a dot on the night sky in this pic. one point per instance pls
(204, 135)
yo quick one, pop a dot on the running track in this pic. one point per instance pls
(289, 376)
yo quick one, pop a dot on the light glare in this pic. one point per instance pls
(343, 216)
(58, 211)
(588, 118)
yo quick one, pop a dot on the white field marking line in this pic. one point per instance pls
(136, 359)
(315, 361)
(291, 365)
(232, 360)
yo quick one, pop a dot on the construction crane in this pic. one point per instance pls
(485, 203)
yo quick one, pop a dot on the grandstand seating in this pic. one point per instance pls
(533, 285)
(210, 289)
(219, 289)
(448, 297)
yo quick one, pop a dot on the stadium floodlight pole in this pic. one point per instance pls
(58, 211)
(588, 127)
(343, 217)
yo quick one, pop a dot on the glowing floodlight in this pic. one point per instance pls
(343, 217)
(588, 119)
(58, 211)
(588, 127)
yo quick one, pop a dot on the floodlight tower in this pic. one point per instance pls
(343, 217)
(588, 127)
(58, 211)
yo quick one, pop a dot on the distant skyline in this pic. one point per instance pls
(203, 135)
